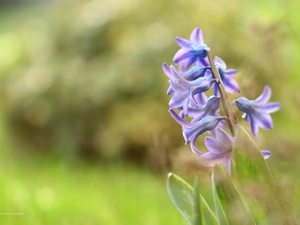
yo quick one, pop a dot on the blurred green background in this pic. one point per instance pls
(86, 137)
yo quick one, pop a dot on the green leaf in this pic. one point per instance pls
(219, 209)
(181, 194)
(235, 207)
(254, 181)
(208, 216)
(195, 210)
(197, 204)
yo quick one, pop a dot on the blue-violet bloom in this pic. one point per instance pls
(191, 131)
(220, 148)
(183, 90)
(257, 112)
(230, 85)
(192, 50)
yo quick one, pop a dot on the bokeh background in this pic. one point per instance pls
(85, 134)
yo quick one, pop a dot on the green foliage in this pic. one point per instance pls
(193, 207)
(219, 209)
(253, 178)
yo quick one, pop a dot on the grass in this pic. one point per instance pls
(59, 192)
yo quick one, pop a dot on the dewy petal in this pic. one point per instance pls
(219, 61)
(214, 146)
(183, 42)
(266, 154)
(265, 96)
(271, 107)
(231, 85)
(231, 72)
(254, 126)
(196, 36)
(182, 55)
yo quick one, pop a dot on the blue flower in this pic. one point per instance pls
(191, 131)
(257, 112)
(183, 91)
(191, 50)
(220, 148)
(230, 85)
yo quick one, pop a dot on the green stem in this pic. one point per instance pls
(229, 110)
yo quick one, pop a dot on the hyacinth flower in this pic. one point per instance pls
(257, 112)
(220, 148)
(189, 75)
(191, 131)
(226, 75)
(192, 50)
(183, 90)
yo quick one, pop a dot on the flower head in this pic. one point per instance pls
(257, 112)
(183, 91)
(191, 50)
(220, 147)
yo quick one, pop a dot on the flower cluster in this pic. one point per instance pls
(194, 76)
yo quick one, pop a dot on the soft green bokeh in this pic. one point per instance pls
(84, 114)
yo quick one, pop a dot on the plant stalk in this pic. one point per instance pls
(229, 110)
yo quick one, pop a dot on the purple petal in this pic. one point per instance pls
(254, 126)
(170, 91)
(271, 107)
(209, 159)
(213, 132)
(213, 145)
(246, 117)
(231, 85)
(167, 71)
(216, 89)
(178, 100)
(180, 120)
(224, 138)
(190, 61)
(194, 148)
(177, 86)
(200, 98)
(202, 61)
(265, 96)
(266, 154)
(227, 163)
(196, 36)
(220, 62)
(263, 120)
(183, 42)
(231, 72)
(175, 73)
(182, 55)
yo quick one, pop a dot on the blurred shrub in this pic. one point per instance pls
(85, 76)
